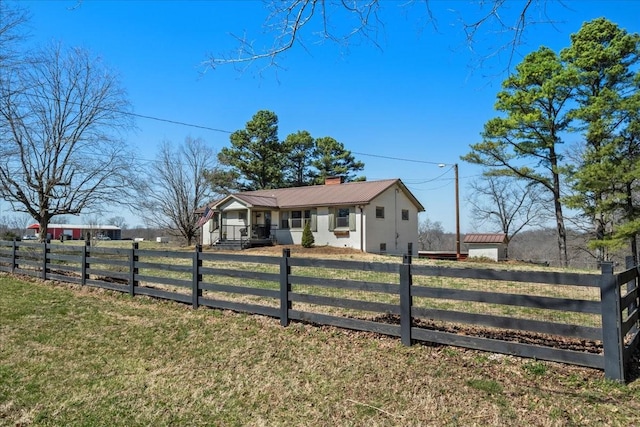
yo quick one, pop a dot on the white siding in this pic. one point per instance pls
(391, 230)
(208, 234)
(339, 237)
(487, 250)
(369, 233)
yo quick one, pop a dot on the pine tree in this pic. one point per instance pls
(529, 130)
(605, 58)
(307, 236)
(256, 155)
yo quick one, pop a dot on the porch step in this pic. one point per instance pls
(238, 245)
(231, 245)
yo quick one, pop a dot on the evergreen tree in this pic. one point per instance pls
(307, 236)
(604, 59)
(332, 159)
(256, 156)
(300, 148)
(258, 160)
(534, 106)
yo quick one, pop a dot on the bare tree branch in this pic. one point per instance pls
(288, 20)
(505, 205)
(295, 22)
(177, 187)
(12, 23)
(59, 123)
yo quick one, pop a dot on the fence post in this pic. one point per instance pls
(285, 287)
(85, 264)
(612, 339)
(196, 292)
(631, 286)
(45, 251)
(133, 270)
(14, 255)
(406, 300)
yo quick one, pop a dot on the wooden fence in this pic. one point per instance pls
(583, 319)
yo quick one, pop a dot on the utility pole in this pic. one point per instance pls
(455, 169)
(457, 189)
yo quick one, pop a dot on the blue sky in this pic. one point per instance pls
(421, 95)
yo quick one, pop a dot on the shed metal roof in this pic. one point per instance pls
(485, 238)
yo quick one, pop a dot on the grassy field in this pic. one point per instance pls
(80, 357)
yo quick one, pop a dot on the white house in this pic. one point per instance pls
(372, 216)
(487, 245)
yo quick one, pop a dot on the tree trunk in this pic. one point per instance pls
(633, 241)
(44, 227)
(562, 232)
(562, 236)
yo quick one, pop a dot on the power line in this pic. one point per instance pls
(132, 114)
(398, 158)
(175, 122)
(197, 126)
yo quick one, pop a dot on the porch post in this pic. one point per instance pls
(223, 224)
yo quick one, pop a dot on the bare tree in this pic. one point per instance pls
(62, 219)
(118, 221)
(60, 151)
(12, 24)
(507, 205)
(177, 186)
(16, 224)
(93, 221)
(430, 235)
(302, 22)
(21, 222)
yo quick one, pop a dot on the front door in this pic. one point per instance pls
(261, 224)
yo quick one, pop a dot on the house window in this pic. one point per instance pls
(383, 248)
(242, 216)
(342, 218)
(284, 220)
(405, 214)
(296, 219)
(380, 212)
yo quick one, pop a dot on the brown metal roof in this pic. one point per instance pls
(350, 193)
(256, 200)
(485, 238)
(211, 204)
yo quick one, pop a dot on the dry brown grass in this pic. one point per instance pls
(80, 356)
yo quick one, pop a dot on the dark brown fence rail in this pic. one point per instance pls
(582, 319)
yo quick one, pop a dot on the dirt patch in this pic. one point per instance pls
(523, 337)
(316, 251)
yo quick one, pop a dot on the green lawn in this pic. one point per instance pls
(80, 357)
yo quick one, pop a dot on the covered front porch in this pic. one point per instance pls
(235, 227)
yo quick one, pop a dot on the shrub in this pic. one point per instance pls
(307, 236)
(10, 235)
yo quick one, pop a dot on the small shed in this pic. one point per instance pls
(487, 245)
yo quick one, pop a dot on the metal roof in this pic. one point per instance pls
(254, 200)
(350, 193)
(36, 226)
(485, 238)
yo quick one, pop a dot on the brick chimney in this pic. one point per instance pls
(332, 180)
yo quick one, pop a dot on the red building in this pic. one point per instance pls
(79, 232)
